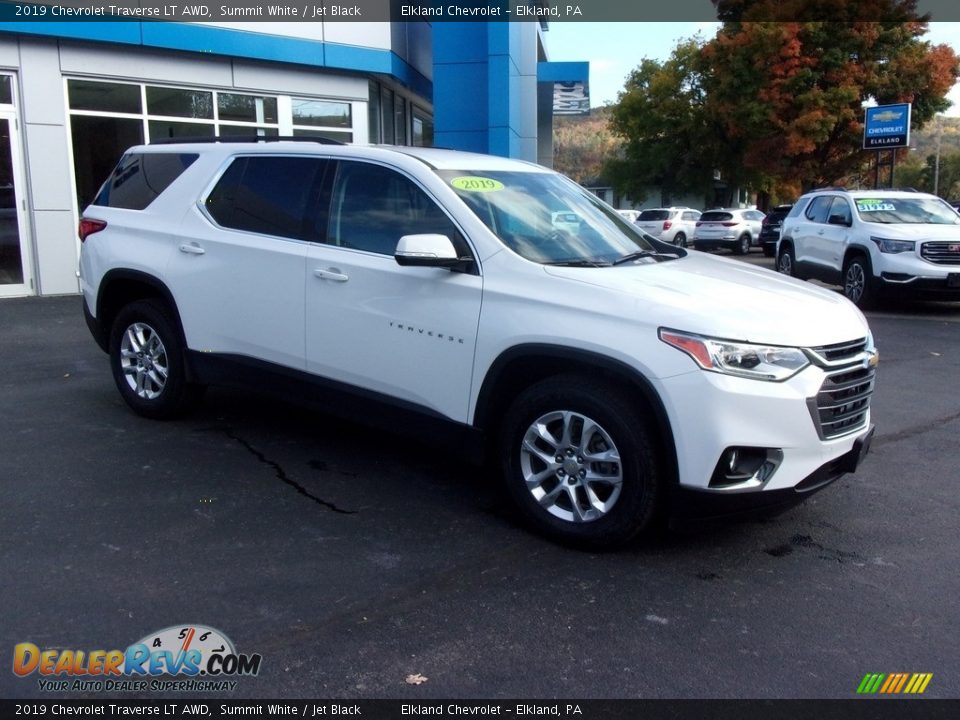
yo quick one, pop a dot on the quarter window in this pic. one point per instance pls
(139, 178)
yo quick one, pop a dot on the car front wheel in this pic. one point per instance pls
(147, 360)
(580, 462)
(858, 284)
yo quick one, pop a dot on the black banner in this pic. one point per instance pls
(855, 709)
(450, 11)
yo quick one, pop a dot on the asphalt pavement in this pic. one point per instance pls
(351, 559)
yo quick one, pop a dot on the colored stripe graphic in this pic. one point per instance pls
(894, 683)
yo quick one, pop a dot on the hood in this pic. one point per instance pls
(727, 299)
(909, 231)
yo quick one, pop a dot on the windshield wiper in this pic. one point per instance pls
(639, 255)
(579, 263)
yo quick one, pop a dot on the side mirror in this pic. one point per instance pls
(426, 251)
(839, 220)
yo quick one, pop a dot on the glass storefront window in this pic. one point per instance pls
(161, 129)
(322, 113)
(98, 143)
(337, 135)
(246, 108)
(6, 90)
(179, 103)
(104, 97)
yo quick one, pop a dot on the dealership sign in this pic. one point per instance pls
(887, 126)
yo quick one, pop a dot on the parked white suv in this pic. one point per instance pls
(588, 363)
(874, 242)
(674, 225)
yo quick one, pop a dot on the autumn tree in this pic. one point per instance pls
(791, 93)
(581, 146)
(774, 101)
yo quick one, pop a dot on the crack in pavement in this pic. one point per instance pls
(281, 473)
(915, 430)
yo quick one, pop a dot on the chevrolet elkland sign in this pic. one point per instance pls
(887, 126)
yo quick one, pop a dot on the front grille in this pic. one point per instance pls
(941, 253)
(843, 401)
(841, 351)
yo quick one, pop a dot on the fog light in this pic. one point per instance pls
(745, 468)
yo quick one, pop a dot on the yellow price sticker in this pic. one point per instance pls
(476, 184)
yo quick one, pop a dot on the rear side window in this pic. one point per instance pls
(654, 215)
(140, 178)
(269, 195)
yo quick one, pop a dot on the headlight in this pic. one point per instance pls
(887, 245)
(759, 362)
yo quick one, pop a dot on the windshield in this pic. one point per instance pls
(548, 219)
(909, 210)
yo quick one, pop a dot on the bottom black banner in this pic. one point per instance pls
(859, 709)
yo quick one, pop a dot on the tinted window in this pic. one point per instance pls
(140, 177)
(840, 212)
(269, 195)
(715, 216)
(691, 216)
(817, 212)
(372, 207)
(798, 208)
(654, 215)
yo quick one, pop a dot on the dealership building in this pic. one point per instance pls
(74, 95)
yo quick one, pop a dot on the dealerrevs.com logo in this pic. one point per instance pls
(177, 658)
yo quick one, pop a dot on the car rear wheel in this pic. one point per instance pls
(785, 261)
(743, 245)
(580, 462)
(147, 360)
(680, 240)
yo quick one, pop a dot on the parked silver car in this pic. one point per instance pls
(735, 229)
(673, 225)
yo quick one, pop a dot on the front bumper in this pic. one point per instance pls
(945, 288)
(692, 504)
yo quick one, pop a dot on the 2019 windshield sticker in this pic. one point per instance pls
(476, 184)
(871, 205)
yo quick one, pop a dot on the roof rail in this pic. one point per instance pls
(831, 187)
(245, 139)
(904, 189)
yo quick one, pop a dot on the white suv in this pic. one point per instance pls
(874, 242)
(674, 225)
(587, 361)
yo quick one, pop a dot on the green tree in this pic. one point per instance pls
(669, 141)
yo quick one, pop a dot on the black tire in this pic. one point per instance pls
(680, 240)
(617, 417)
(743, 245)
(858, 284)
(786, 262)
(148, 326)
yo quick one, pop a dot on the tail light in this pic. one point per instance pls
(667, 224)
(699, 223)
(730, 224)
(88, 226)
(765, 221)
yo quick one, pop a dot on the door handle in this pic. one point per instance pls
(819, 232)
(191, 249)
(331, 274)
